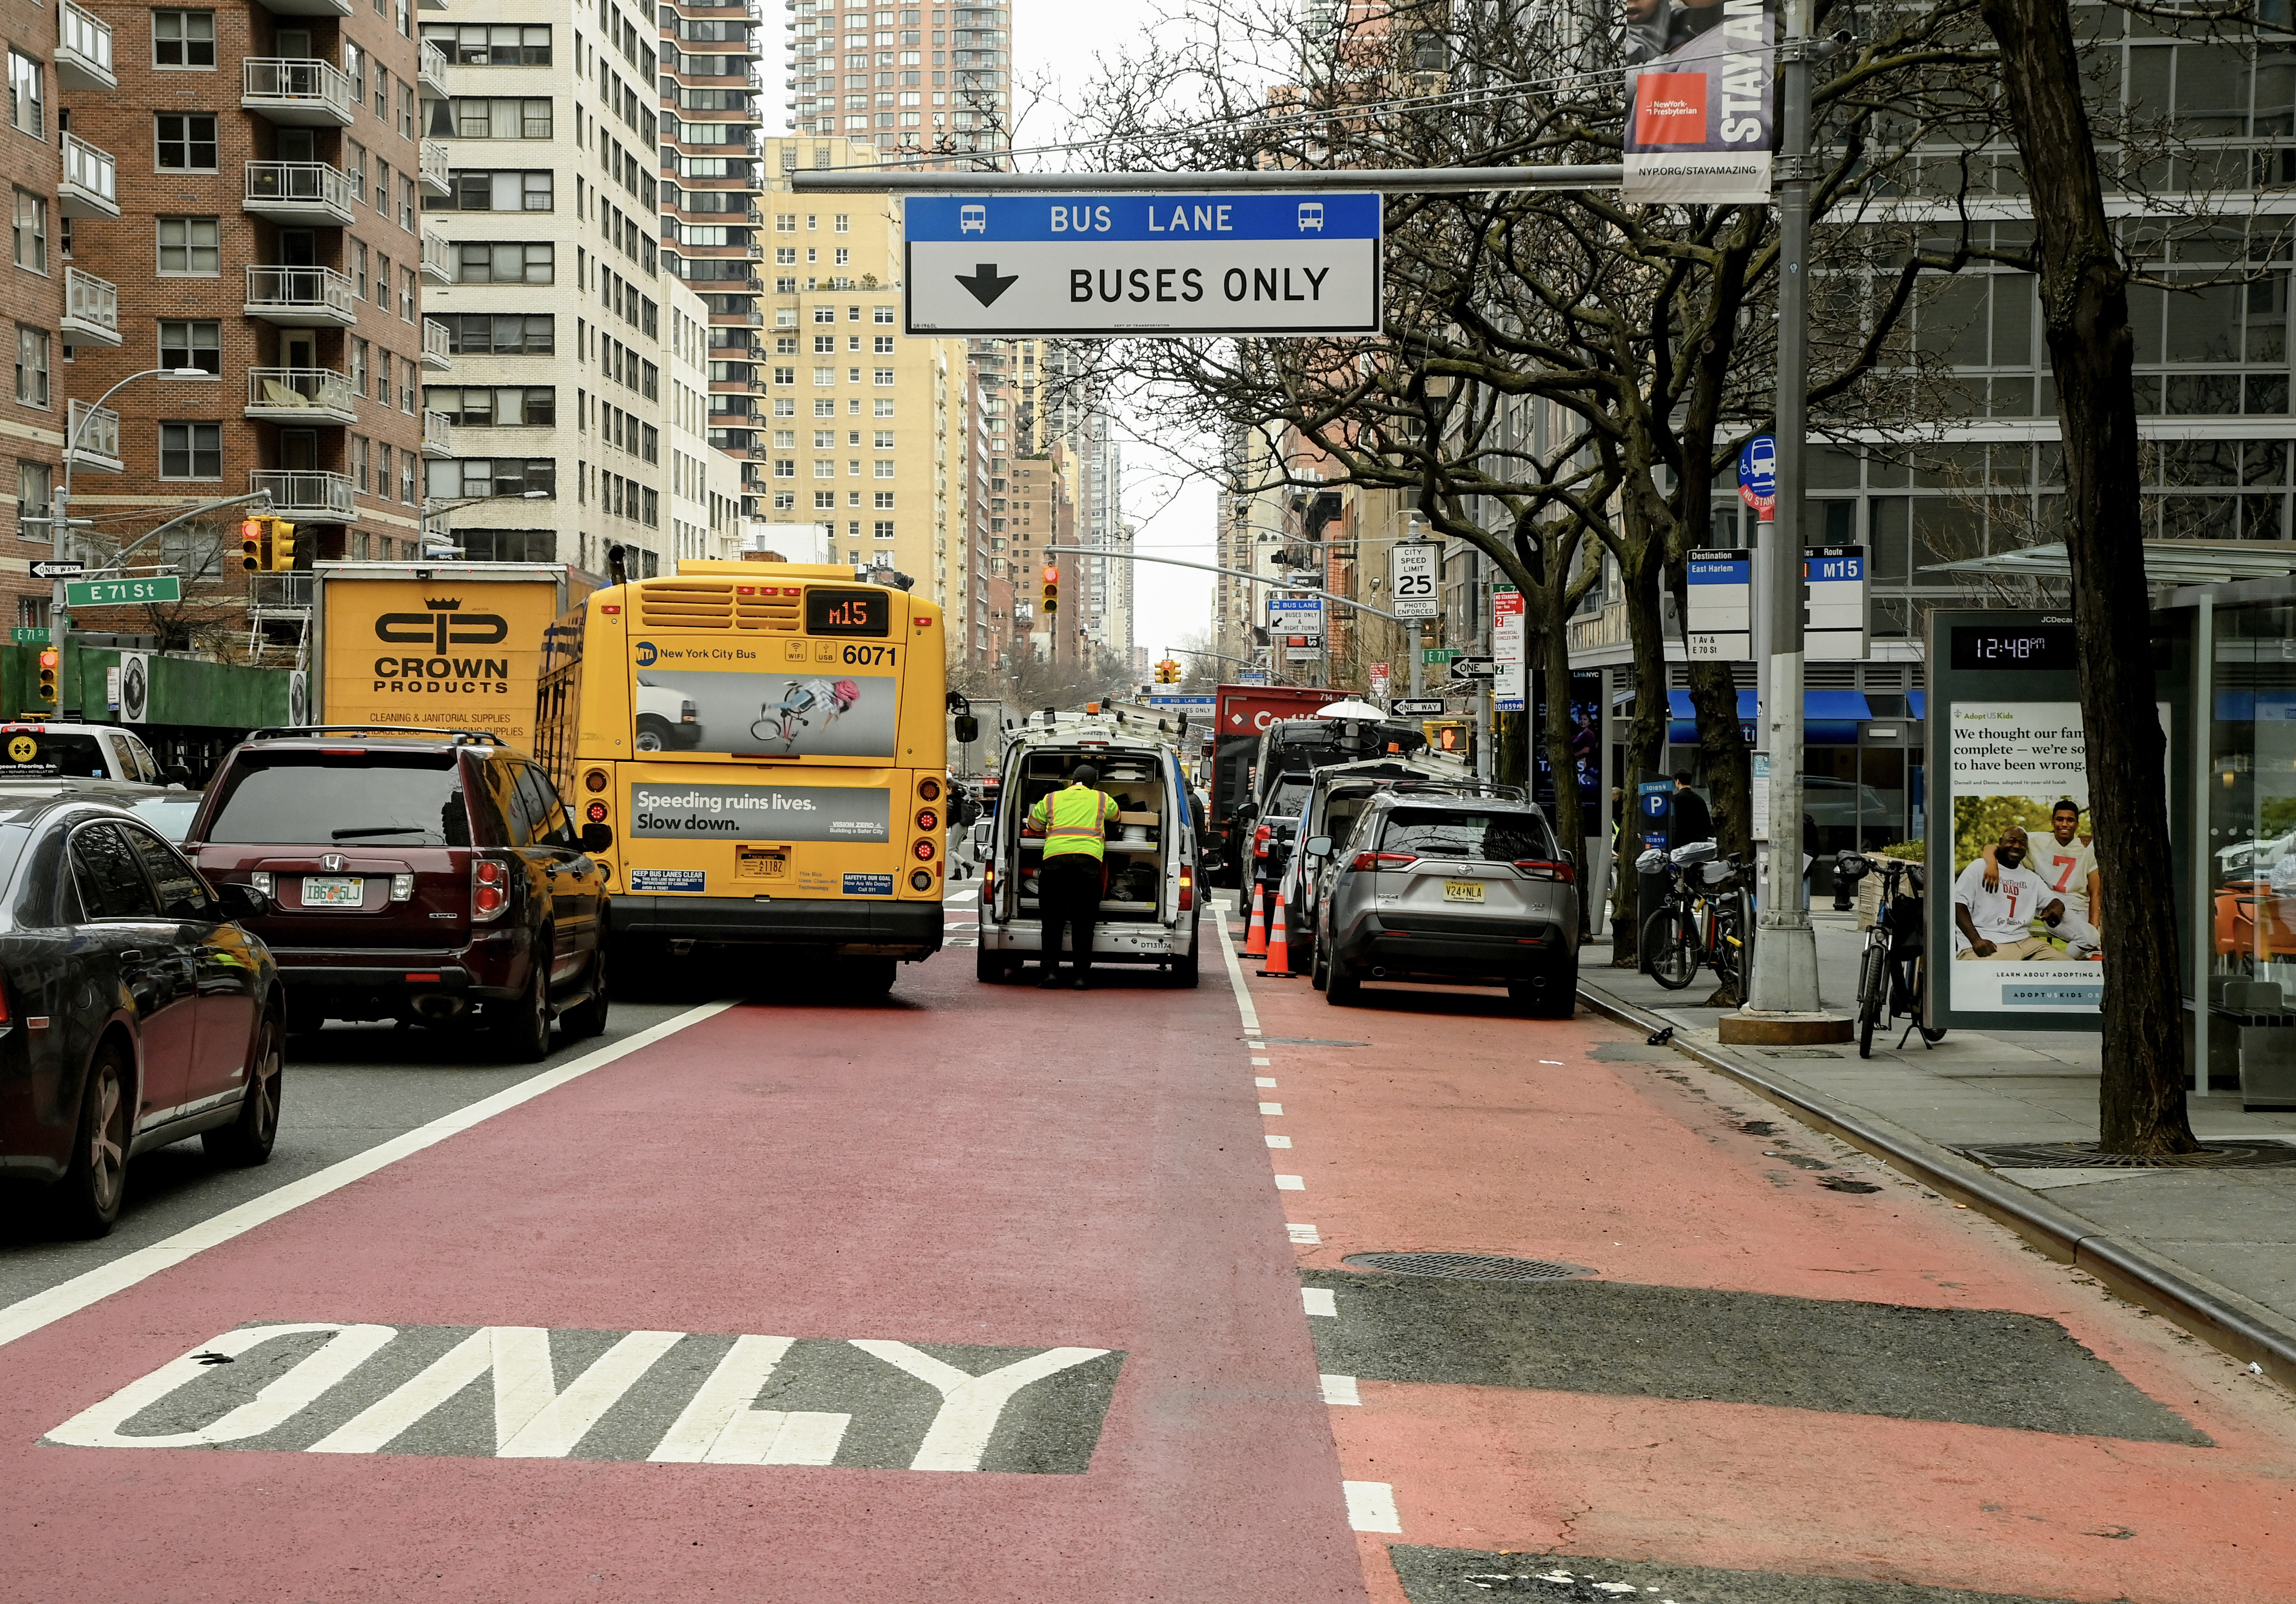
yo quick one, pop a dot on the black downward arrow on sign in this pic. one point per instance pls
(984, 284)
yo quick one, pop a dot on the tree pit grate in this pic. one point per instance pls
(1467, 1266)
(2087, 1156)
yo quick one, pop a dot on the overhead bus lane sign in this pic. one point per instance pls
(1117, 265)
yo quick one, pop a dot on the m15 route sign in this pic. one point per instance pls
(1111, 265)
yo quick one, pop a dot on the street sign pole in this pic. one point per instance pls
(1781, 1000)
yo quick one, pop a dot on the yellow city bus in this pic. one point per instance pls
(765, 745)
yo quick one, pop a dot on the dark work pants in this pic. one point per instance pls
(1067, 896)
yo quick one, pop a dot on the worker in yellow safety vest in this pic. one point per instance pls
(1074, 824)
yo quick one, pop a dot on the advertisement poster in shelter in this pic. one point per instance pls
(1699, 101)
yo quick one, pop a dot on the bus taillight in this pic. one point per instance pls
(923, 850)
(921, 879)
(928, 788)
(927, 819)
(595, 813)
(595, 781)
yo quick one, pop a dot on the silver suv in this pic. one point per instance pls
(1461, 890)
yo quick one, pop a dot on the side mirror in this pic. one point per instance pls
(1319, 846)
(968, 730)
(1571, 859)
(239, 902)
(597, 837)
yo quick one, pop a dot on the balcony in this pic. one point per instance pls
(315, 497)
(300, 395)
(300, 297)
(309, 8)
(302, 192)
(279, 595)
(437, 354)
(436, 167)
(83, 49)
(92, 439)
(298, 92)
(431, 70)
(91, 309)
(438, 434)
(438, 258)
(90, 186)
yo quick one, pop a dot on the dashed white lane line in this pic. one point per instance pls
(1556, 1061)
(1256, 1046)
(1339, 1389)
(1291, 1184)
(1271, 1108)
(1304, 1235)
(68, 1297)
(1320, 1300)
(1261, 1063)
(1263, 1082)
(1371, 1508)
(1279, 1141)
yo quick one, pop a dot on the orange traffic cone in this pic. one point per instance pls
(1279, 947)
(1255, 934)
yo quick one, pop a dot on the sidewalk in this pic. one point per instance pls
(2232, 1232)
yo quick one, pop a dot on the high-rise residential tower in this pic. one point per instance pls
(933, 79)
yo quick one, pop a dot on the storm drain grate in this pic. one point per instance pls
(1467, 1266)
(2085, 1155)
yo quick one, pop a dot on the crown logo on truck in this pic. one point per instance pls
(442, 603)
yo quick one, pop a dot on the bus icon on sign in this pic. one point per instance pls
(973, 219)
(1311, 216)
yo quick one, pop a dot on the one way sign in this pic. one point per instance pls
(1112, 266)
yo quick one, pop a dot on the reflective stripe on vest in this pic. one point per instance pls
(1073, 820)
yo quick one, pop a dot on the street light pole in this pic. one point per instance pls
(60, 531)
(1784, 973)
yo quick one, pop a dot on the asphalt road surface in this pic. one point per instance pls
(980, 1292)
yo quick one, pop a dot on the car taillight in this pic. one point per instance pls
(1372, 862)
(927, 819)
(1260, 841)
(1539, 869)
(1187, 890)
(490, 889)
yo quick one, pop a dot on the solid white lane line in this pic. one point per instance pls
(1371, 1507)
(1263, 1082)
(1279, 1141)
(1321, 1300)
(1245, 1010)
(1304, 1235)
(1271, 1108)
(1291, 1184)
(28, 1315)
(1339, 1389)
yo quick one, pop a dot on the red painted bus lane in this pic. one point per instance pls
(735, 1316)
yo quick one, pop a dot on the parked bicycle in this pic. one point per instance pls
(1893, 972)
(1705, 918)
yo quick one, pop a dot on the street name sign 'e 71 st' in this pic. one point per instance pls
(1115, 266)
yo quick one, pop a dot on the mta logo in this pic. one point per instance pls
(646, 654)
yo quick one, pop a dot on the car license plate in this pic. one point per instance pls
(1462, 891)
(333, 891)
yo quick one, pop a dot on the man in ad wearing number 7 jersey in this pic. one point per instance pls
(1998, 923)
(2067, 865)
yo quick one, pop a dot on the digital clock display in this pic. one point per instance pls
(847, 612)
(2031, 647)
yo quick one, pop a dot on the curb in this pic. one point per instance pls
(2247, 1334)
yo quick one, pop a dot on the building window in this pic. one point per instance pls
(191, 450)
(512, 262)
(502, 406)
(884, 501)
(516, 190)
(186, 142)
(358, 366)
(359, 461)
(824, 468)
(490, 118)
(511, 334)
(191, 247)
(844, 223)
(405, 109)
(494, 476)
(884, 467)
(359, 267)
(184, 38)
(491, 44)
(884, 529)
(884, 345)
(27, 103)
(381, 187)
(823, 500)
(31, 232)
(32, 366)
(33, 480)
(884, 375)
(784, 467)
(192, 345)
(784, 501)
(884, 407)
(406, 294)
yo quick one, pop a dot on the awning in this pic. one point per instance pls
(2166, 562)
(1816, 706)
(1918, 702)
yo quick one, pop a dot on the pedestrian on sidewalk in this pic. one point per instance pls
(1688, 819)
(1074, 823)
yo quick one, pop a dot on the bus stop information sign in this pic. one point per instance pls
(1113, 265)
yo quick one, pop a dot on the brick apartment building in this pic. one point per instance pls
(254, 173)
(32, 302)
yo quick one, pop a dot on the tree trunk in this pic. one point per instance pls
(1646, 736)
(2085, 316)
(1570, 821)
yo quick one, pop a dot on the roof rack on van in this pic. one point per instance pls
(461, 737)
(1461, 788)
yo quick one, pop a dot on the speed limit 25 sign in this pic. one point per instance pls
(1411, 577)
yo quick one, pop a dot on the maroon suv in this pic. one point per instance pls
(431, 875)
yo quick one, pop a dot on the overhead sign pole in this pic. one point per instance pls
(895, 179)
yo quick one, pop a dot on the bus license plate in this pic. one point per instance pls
(328, 892)
(752, 865)
(1462, 891)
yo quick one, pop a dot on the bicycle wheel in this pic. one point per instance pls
(1872, 995)
(1670, 947)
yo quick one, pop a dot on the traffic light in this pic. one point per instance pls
(283, 545)
(1167, 672)
(49, 659)
(1052, 576)
(251, 554)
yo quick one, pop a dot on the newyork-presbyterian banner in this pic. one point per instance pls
(1700, 101)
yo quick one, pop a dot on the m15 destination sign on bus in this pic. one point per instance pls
(1111, 265)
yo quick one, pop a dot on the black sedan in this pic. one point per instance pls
(133, 1011)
